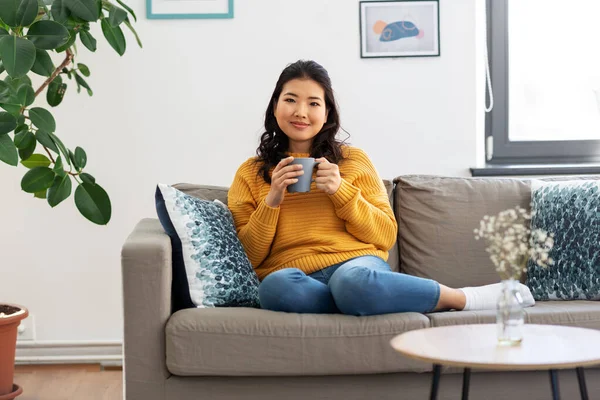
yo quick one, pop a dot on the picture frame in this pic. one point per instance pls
(189, 9)
(399, 28)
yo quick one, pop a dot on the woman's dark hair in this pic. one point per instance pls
(274, 142)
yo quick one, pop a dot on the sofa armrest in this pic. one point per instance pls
(146, 271)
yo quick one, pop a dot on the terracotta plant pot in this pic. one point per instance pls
(10, 317)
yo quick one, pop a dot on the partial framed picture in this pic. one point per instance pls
(403, 28)
(189, 9)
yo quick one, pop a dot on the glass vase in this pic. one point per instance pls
(510, 316)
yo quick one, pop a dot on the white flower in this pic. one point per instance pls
(511, 243)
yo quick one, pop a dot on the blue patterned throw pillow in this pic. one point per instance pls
(205, 242)
(570, 209)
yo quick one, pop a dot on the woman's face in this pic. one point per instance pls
(301, 113)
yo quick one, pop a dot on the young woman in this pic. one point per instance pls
(325, 251)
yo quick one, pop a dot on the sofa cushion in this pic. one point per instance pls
(436, 218)
(206, 250)
(393, 254)
(180, 293)
(204, 192)
(251, 342)
(208, 192)
(570, 211)
(451, 318)
(580, 313)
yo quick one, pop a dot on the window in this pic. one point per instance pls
(545, 72)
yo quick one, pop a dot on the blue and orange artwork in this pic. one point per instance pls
(396, 30)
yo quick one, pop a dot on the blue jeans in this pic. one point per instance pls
(360, 286)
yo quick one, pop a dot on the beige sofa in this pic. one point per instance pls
(251, 354)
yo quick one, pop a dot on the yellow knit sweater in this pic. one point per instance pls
(314, 230)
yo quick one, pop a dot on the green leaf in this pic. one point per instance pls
(68, 43)
(87, 10)
(88, 40)
(72, 158)
(58, 78)
(44, 4)
(18, 55)
(43, 119)
(59, 11)
(5, 91)
(3, 32)
(48, 35)
(26, 95)
(61, 146)
(8, 123)
(10, 101)
(60, 190)
(43, 63)
(27, 12)
(83, 83)
(128, 9)
(8, 11)
(45, 140)
(116, 16)
(23, 140)
(114, 36)
(80, 158)
(85, 71)
(137, 38)
(41, 194)
(93, 203)
(87, 178)
(75, 21)
(27, 152)
(16, 82)
(18, 12)
(21, 128)
(36, 160)
(8, 151)
(58, 167)
(55, 93)
(13, 106)
(37, 179)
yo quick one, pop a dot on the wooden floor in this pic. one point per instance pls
(69, 382)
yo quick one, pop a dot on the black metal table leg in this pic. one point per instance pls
(435, 383)
(466, 381)
(582, 387)
(554, 384)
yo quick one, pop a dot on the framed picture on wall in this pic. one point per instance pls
(402, 28)
(189, 9)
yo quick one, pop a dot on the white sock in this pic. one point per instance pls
(486, 297)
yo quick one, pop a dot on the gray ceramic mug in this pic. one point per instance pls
(304, 181)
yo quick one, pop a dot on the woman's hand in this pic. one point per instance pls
(328, 176)
(283, 176)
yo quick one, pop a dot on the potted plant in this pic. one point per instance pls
(30, 31)
(10, 317)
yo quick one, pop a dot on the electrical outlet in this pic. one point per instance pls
(26, 330)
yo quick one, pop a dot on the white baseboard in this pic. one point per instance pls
(106, 353)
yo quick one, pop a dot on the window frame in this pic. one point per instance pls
(502, 150)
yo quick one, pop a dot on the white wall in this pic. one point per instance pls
(189, 106)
